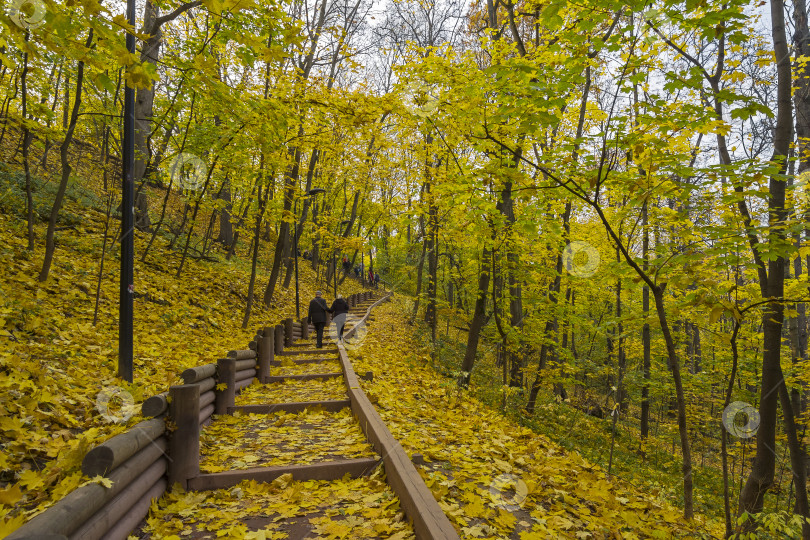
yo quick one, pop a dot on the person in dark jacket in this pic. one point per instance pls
(339, 310)
(317, 316)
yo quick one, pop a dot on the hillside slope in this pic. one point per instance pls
(494, 478)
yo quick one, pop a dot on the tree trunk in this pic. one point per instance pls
(256, 237)
(290, 184)
(225, 226)
(26, 143)
(772, 284)
(477, 323)
(801, 94)
(50, 246)
(683, 430)
(645, 331)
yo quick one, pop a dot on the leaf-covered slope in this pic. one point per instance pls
(494, 478)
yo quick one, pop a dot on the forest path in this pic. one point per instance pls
(293, 459)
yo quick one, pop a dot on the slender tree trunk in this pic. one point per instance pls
(225, 226)
(621, 399)
(242, 217)
(50, 246)
(646, 338)
(683, 430)
(419, 280)
(194, 219)
(478, 321)
(26, 143)
(284, 228)
(169, 187)
(256, 238)
(103, 256)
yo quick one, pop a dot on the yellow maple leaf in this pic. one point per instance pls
(282, 481)
(10, 496)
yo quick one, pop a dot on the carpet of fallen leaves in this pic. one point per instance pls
(494, 478)
(292, 391)
(349, 508)
(288, 367)
(243, 441)
(57, 368)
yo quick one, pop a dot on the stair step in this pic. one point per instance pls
(306, 377)
(332, 405)
(325, 470)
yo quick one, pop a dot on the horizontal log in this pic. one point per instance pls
(207, 385)
(73, 510)
(155, 405)
(104, 458)
(107, 517)
(242, 355)
(244, 364)
(207, 398)
(159, 404)
(206, 412)
(196, 374)
(136, 514)
(307, 377)
(325, 470)
(245, 374)
(333, 405)
(244, 383)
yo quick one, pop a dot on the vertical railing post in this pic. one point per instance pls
(288, 332)
(278, 331)
(304, 329)
(266, 353)
(226, 375)
(184, 442)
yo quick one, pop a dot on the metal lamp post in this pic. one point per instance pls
(127, 288)
(310, 193)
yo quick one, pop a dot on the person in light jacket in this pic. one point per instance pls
(339, 310)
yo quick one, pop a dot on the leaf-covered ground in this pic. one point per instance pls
(243, 441)
(330, 365)
(292, 391)
(349, 508)
(494, 478)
